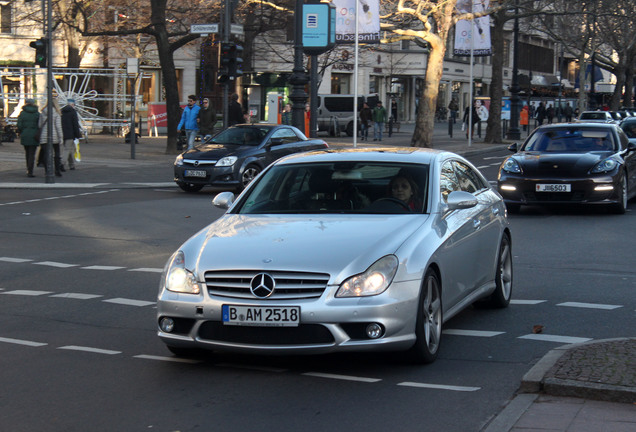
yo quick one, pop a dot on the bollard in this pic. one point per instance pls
(450, 127)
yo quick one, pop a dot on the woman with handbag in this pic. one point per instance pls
(57, 135)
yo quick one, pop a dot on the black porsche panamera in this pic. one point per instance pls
(570, 163)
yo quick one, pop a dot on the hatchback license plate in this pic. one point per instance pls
(195, 173)
(554, 188)
(281, 316)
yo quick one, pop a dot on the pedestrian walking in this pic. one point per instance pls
(541, 113)
(549, 113)
(379, 118)
(190, 121)
(286, 116)
(235, 112)
(453, 107)
(207, 120)
(71, 131)
(523, 117)
(57, 135)
(567, 111)
(365, 121)
(28, 126)
(473, 121)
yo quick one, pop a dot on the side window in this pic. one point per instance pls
(286, 134)
(448, 180)
(467, 179)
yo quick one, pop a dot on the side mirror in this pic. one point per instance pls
(224, 200)
(275, 141)
(514, 147)
(460, 200)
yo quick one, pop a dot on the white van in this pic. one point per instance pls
(335, 112)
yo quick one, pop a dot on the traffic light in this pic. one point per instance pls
(236, 61)
(40, 47)
(224, 62)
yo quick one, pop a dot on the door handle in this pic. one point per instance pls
(476, 223)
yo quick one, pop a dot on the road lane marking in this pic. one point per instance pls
(439, 386)
(251, 367)
(476, 333)
(89, 349)
(128, 302)
(55, 264)
(590, 305)
(555, 338)
(527, 302)
(22, 342)
(27, 292)
(14, 260)
(96, 267)
(78, 296)
(342, 377)
(149, 270)
(167, 359)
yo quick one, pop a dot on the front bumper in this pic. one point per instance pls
(215, 176)
(326, 324)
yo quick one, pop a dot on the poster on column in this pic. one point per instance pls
(464, 30)
(368, 21)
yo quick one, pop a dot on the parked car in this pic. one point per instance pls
(335, 112)
(341, 250)
(596, 117)
(629, 127)
(235, 156)
(574, 163)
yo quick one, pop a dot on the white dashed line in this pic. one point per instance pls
(439, 386)
(555, 338)
(14, 260)
(166, 359)
(77, 296)
(89, 349)
(27, 292)
(251, 367)
(128, 302)
(148, 270)
(527, 302)
(476, 333)
(342, 377)
(22, 342)
(96, 267)
(590, 305)
(55, 264)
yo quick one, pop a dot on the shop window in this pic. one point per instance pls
(340, 83)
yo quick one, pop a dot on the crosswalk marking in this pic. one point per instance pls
(128, 302)
(22, 342)
(78, 296)
(590, 305)
(89, 349)
(55, 264)
(27, 292)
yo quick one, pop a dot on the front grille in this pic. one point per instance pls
(574, 196)
(305, 334)
(289, 285)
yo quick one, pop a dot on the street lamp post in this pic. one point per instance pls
(299, 78)
(513, 132)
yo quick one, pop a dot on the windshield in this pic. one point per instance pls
(339, 187)
(571, 140)
(241, 135)
(600, 115)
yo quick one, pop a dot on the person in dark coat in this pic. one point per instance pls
(541, 113)
(71, 131)
(29, 133)
(235, 112)
(207, 119)
(365, 121)
(474, 117)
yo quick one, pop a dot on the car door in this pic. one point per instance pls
(283, 142)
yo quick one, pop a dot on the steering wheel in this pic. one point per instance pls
(396, 201)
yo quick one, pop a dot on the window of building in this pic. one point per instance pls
(340, 83)
(5, 17)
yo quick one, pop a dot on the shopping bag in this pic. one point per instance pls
(463, 126)
(76, 155)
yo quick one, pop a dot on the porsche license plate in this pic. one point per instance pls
(195, 173)
(278, 316)
(554, 188)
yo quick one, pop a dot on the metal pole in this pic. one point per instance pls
(49, 176)
(133, 132)
(313, 99)
(513, 132)
(226, 85)
(299, 78)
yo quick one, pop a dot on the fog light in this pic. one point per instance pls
(603, 188)
(374, 331)
(508, 187)
(166, 324)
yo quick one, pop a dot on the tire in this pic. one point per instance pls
(190, 187)
(428, 328)
(500, 298)
(250, 173)
(620, 207)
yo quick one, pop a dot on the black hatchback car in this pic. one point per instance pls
(570, 163)
(234, 157)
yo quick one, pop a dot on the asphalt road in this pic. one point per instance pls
(79, 276)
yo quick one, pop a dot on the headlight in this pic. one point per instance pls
(605, 165)
(179, 160)
(179, 279)
(226, 161)
(375, 280)
(511, 165)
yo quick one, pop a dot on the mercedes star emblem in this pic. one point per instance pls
(262, 285)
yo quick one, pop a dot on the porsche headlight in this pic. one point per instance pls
(179, 279)
(375, 280)
(511, 165)
(179, 160)
(606, 165)
(226, 161)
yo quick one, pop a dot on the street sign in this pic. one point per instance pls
(204, 28)
(236, 29)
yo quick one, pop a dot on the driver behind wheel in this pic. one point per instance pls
(404, 188)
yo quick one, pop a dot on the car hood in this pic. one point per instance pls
(215, 151)
(559, 164)
(318, 243)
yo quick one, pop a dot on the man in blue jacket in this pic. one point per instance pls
(190, 120)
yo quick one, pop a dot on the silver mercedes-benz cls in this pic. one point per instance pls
(341, 250)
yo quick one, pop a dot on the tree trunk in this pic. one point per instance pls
(619, 72)
(493, 130)
(425, 121)
(629, 84)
